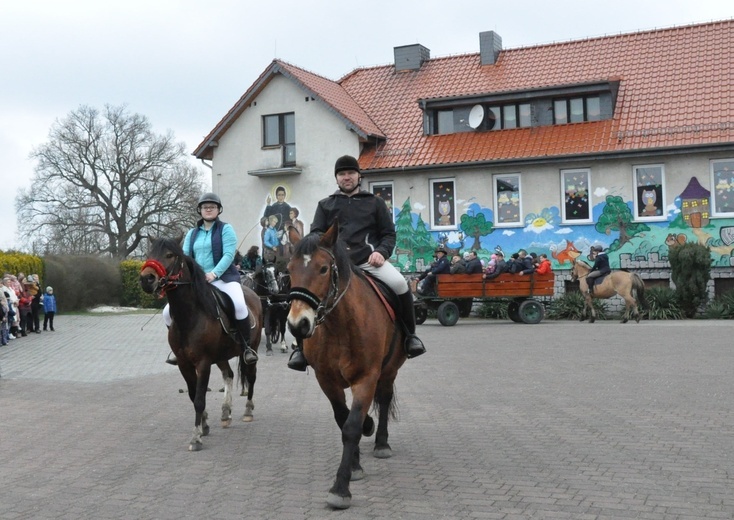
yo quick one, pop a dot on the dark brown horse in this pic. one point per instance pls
(350, 341)
(627, 285)
(201, 334)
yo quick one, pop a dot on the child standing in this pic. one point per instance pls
(49, 308)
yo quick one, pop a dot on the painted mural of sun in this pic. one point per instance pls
(537, 223)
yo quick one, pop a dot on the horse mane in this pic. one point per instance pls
(201, 288)
(310, 243)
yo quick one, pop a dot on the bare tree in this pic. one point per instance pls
(103, 183)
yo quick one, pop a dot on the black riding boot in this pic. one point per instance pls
(297, 361)
(413, 346)
(243, 327)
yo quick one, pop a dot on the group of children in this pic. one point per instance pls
(520, 263)
(21, 301)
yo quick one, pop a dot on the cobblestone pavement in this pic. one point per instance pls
(498, 420)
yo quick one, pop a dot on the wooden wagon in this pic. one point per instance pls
(456, 293)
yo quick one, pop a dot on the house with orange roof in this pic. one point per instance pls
(546, 148)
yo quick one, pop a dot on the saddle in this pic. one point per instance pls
(387, 296)
(597, 281)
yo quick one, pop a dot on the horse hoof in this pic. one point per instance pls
(247, 418)
(226, 423)
(357, 474)
(205, 430)
(382, 453)
(195, 446)
(338, 502)
(269, 352)
(625, 320)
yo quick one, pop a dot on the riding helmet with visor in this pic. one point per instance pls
(210, 197)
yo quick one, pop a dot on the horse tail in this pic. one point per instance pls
(639, 287)
(392, 406)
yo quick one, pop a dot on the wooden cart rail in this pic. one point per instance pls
(504, 286)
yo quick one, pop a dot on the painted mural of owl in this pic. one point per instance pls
(444, 208)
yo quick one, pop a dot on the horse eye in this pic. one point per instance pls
(324, 269)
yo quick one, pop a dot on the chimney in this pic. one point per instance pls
(490, 45)
(410, 57)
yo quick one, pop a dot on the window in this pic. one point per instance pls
(722, 187)
(384, 190)
(279, 130)
(492, 118)
(575, 190)
(649, 183)
(443, 204)
(507, 200)
(576, 110)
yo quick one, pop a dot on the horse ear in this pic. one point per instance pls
(329, 238)
(179, 240)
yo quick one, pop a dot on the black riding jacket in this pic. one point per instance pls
(601, 264)
(365, 223)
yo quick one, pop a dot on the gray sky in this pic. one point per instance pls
(184, 63)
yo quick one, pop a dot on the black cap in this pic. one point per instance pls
(346, 162)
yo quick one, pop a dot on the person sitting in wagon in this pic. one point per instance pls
(440, 266)
(500, 267)
(473, 264)
(600, 267)
(543, 266)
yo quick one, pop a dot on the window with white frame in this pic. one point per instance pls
(722, 187)
(507, 200)
(279, 130)
(575, 191)
(384, 190)
(649, 185)
(443, 204)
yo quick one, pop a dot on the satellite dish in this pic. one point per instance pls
(476, 116)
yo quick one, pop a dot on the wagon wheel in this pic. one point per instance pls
(448, 314)
(421, 313)
(531, 311)
(513, 311)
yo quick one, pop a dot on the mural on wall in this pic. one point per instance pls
(277, 217)
(612, 225)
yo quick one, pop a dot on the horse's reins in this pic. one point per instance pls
(320, 306)
(166, 281)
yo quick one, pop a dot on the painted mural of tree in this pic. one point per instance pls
(414, 243)
(476, 226)
(618, 217)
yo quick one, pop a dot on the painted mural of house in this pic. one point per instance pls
(546, 147)
(694, 202)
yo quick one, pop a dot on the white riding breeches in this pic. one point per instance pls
(388, 274)
(233, 290)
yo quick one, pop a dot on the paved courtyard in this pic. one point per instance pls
(499, 420)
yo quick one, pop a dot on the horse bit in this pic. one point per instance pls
(320, 306)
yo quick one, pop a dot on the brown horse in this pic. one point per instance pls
(628, 285)
(350, 341)
(200, 334)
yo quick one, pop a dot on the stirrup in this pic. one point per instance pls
(297, 361)
(414, 346)
(171, 359)
(250, 356)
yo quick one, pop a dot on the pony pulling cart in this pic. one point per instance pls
(201, 334)
(351, 341)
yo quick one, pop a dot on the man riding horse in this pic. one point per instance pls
(367, 227)
(600, 267)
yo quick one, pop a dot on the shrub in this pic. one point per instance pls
(570, 306)
(494, 309)
(13, 262)
(663, 303)
(82, 282)
(721, 308)
(690, 265)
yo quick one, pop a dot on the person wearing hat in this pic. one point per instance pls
(440, 266)
(213, 244)
(367, 228)
(49, 308)
(600, 267)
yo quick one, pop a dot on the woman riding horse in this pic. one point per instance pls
(213, 244)
(600, 267)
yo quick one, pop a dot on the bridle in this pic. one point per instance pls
(333, 296)
(166, 281)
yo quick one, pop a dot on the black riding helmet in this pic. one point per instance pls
(209, 197)
(346, 162)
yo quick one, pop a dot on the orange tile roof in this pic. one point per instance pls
(676, 90)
